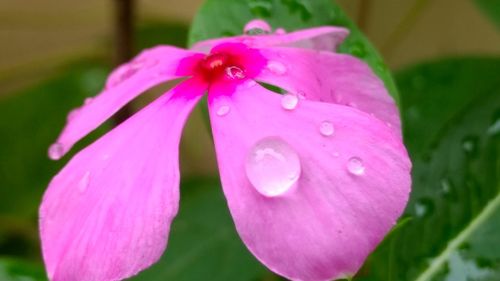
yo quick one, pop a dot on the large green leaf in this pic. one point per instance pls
(203, 243)
(452, 131)
(218, 18)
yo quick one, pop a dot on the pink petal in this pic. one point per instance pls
(317, 38)
(330, 77)
(354, 180)
(148, 69)
(107, 214)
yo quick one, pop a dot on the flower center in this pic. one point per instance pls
(217, 66)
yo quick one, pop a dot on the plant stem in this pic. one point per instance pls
(124, 43)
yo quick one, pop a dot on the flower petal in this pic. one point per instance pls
(330, 77)
(149, 68)
(107, 214)
(317, 38)
(354, 181)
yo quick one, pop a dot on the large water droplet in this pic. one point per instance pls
(272, 166)
(276, 67)
(355, 166)
(235, 72)
(326, 128)
(289, 101)
(56, 151)
(257, 27)
(84, 182)
(223, 110)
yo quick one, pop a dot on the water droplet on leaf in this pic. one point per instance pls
(326, 128)
(289, 101)
(272, 166)
(424, 207)
(355, 166)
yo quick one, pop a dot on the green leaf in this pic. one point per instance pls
(452, 130)
(218, 18)
(203, 243)
(18, 270)
(491, 8)
(30, 121)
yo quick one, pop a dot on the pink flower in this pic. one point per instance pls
(314, 179)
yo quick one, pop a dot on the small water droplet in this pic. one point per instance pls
(235, 72)
(470, 145)
(56, 151)
(72, 114)
(355, 166)
(280, 31)
(257, 27)
(272, 166)
(289, 101)
(84, 182)
(336, 154)
(494, 129)
(301, 95)
(326, 128)
(223, 110)
(276, 67)
(424, 207)
(88, 101)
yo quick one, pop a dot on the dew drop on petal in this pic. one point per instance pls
(84, 182)
(280, 31)
(336, 154)
(276, 67)
(289, 101)
(88, 101)
(272, 166)
(56, 151)
(355, 166)
(72, 114)
(223, 110)
(257, 27)
(235, 72)
(326, 128)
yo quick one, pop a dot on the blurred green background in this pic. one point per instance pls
(444, 56)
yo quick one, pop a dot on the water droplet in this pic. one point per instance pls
(56, 151)
(272, 166)
(336, 154)
(358, 49)
(494, 129)
(88, 101)
(326, 128)
(289, 101)
(276, 67)
(72, 114)
(84, 182)
(280, 31)
(257, 27)
(470, 145)
(223, 110)
(355, 166)
(301, 95)
(235, 72)
(424, 207)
